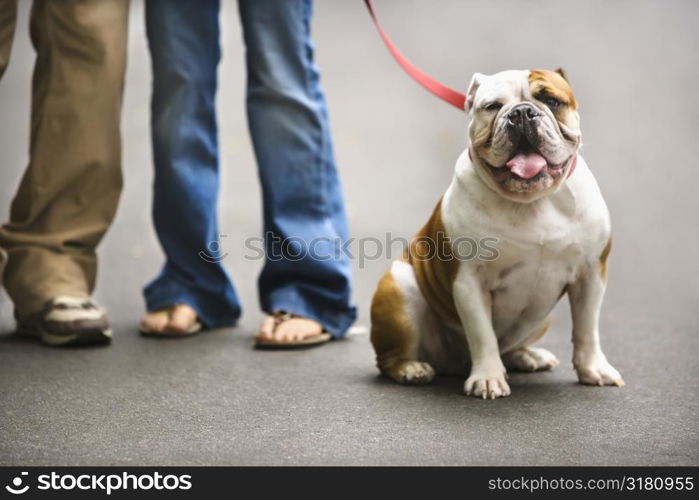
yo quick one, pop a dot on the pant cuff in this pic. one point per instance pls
(335, 321)
(213, 312)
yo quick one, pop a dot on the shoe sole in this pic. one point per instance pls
(197, 327)
(84, 338)
(314, 341)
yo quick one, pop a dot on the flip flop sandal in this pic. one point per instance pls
(279, 318)
(196, 327)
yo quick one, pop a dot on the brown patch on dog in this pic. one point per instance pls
(429, 252)
(554, 84)
(392, 333)
(603, 260)
(563, 73)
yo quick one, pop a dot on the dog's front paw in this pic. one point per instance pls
(596, 370)
(487, 384)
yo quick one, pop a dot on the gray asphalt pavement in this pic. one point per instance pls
(213, 400)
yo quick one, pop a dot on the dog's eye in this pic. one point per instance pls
(551, 102)
(492, 106)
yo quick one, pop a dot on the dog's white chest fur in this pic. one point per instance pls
(540, 246)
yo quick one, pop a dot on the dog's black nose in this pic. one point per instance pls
(522, 113)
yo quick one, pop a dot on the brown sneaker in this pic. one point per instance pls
(68, 321)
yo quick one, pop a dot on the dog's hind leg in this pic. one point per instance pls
(396, 311)
(526, 358)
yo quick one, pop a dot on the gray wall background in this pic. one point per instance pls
(632, 64)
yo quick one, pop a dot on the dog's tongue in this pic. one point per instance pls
(527, 165)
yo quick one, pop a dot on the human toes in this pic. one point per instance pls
(182, 318)
(155, 321)
(266, 331)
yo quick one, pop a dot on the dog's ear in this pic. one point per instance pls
(562, 72)
(472, 89)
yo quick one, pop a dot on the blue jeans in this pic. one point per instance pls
(288, 123)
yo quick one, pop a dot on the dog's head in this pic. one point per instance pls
(525, 131)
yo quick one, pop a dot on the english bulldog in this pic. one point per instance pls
(522, 186)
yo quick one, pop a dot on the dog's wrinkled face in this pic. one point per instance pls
(525, 131)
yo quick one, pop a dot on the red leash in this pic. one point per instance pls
(456, 99)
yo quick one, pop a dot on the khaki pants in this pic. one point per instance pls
(69, 193)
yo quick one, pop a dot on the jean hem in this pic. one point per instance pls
(163, 294)
(334, 322)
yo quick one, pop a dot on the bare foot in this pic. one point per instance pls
(179, 319)
(282, 328)
(155, 321)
